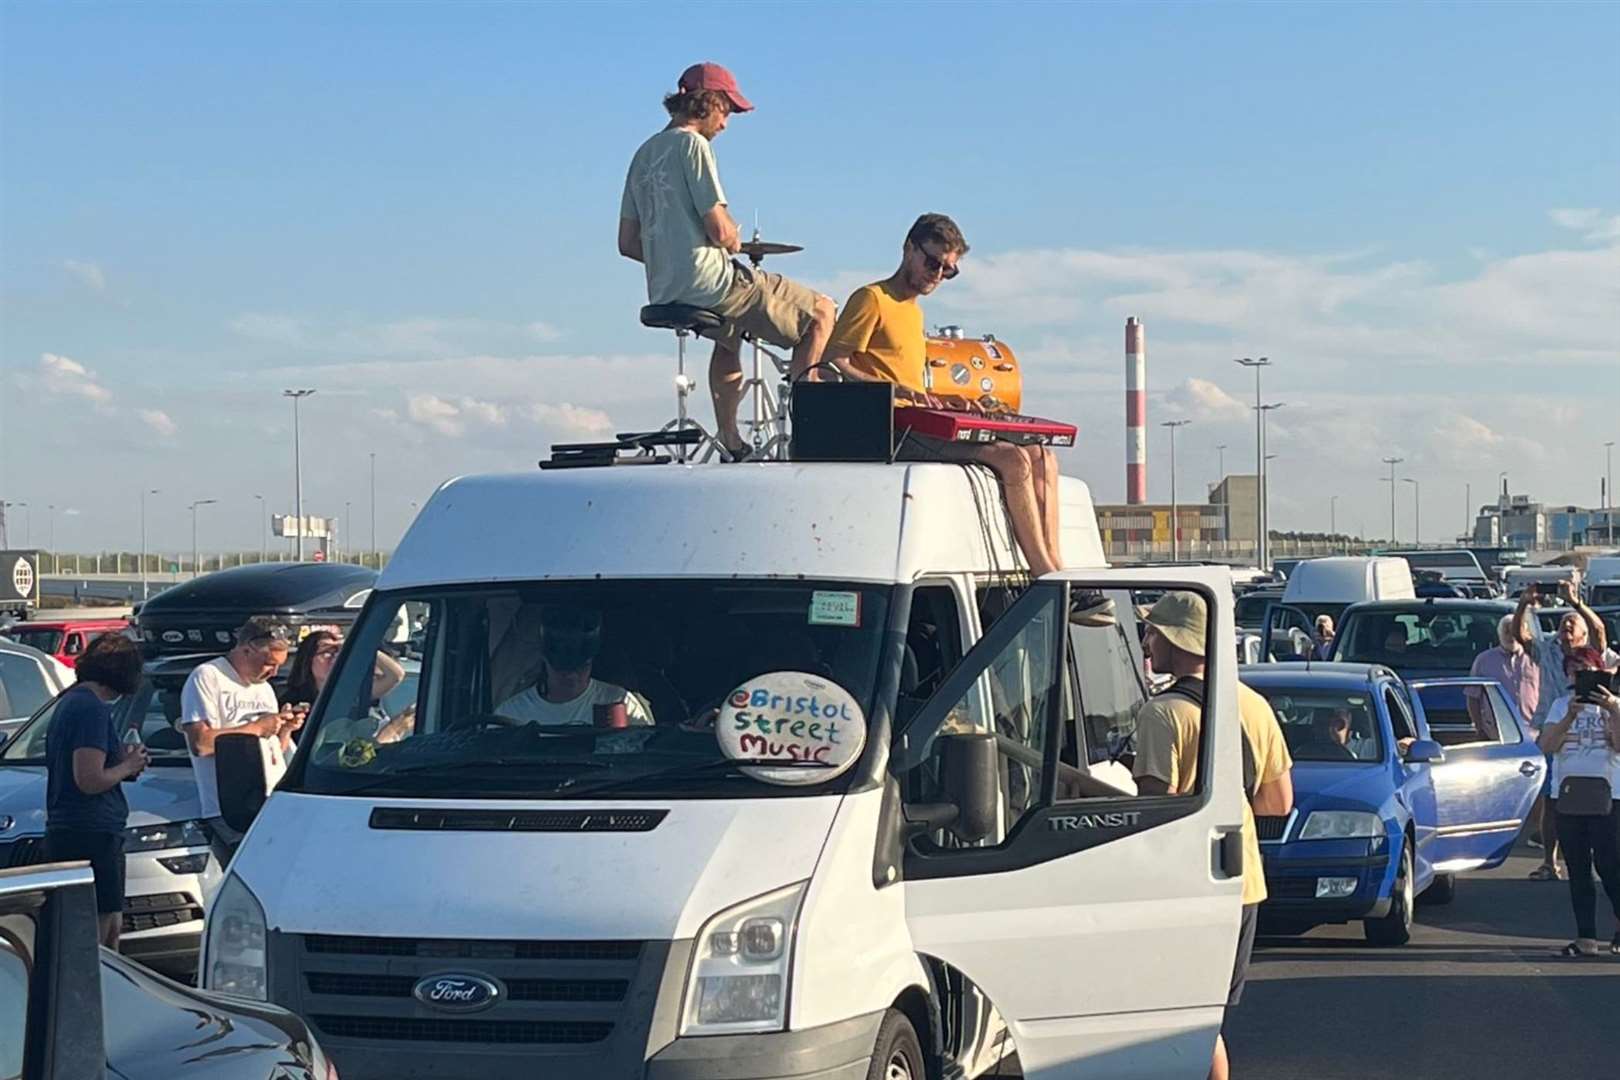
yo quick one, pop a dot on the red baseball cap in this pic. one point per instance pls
(711, 76)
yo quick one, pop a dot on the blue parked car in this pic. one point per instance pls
(1398, 787)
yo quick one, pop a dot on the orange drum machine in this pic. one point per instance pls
(976, 369)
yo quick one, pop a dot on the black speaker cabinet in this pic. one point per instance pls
(848, 421)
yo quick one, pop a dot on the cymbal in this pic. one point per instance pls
(758, 249)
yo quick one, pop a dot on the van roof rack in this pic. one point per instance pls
(642, 446)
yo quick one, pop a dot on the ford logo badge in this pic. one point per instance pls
(456, 992)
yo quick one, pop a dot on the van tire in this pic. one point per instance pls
(897, 1054)
(1395, 928)
(1442, 890)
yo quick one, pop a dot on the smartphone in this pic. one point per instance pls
(1587, 683)
(1545, 588)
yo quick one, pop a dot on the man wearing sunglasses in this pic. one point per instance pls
(233, 693)
(879, 337)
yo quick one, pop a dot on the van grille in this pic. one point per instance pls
(401, 986)
(461, 1031)
(457, 949)
(551, 821)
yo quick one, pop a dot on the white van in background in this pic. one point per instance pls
(1326, 587)
(1603, 580)
(870, 814)
(1519, 578)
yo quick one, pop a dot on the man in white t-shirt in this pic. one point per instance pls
(565, 692)
(233, 693)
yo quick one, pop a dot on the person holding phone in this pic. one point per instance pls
(85, 767)
(1583, 737)
(311, 668)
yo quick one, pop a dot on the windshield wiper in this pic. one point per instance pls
(701, 769)
(448, 768)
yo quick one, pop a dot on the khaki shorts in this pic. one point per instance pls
(766, 306)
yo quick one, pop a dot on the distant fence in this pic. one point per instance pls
(179, 565)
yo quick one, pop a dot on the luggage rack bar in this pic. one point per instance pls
(641, 445)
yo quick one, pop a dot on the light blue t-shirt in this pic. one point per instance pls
(1549, 653)
(672, 183)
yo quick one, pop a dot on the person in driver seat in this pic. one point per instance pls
(565, 693)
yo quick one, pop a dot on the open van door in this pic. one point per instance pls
(1289, 634)
(1485, 787)
(1101, 925)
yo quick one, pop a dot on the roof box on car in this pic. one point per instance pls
(202, 615)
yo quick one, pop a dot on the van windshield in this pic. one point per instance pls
(569, 690)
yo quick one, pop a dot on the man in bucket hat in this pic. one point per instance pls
(673, 219)
(1168, 729)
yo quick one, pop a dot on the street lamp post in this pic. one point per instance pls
(374, 555)
(1175, 514)
(56, 561)
(343, 549)
(1226, 505)
(1264, 479)
(195, 568)
(1333, 520)
(1259, 460)
(1392, 462)
(1417, 511)
(264, 539)
(1608, 486)
(298, 468)
(144, 493)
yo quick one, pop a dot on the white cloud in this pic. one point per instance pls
(1200, 399)
(67, 377)
(1591, 223)
(543, 331)
(86, 273)
(572, 419)
(436, 413)
(158, 421)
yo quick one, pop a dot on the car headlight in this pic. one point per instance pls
(234, 954)
(738, 981)
(175, 834)
(1341, 825)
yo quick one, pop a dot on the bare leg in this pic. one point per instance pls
(1220, 1068)
(808, 350)
(725, 387)
(1044, 469)
(107, 928)
(1012, 467)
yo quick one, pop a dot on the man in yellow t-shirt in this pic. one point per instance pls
(879, 338)
(1168, 730)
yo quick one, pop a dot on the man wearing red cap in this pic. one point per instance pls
(673, 220)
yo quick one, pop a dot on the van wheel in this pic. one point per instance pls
(898, 1053)
(1396, 927)
(1442, 890)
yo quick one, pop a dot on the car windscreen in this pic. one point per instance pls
(43, 638)
(582, 689)
(1326, 725)
(1249, 611)
(155, 706)
(1427, 639)
(22, 686)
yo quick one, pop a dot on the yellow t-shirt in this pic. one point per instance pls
(883, 335)
(1167, 731)
(1271, 762)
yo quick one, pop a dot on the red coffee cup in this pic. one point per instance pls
(611, 715)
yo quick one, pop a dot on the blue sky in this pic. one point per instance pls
(1415, 210)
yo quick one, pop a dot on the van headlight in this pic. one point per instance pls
(174, 834)
(1341, 825)
(234, 951)
(739, 976)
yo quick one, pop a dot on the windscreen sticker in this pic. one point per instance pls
(809, 729)
(835, 608)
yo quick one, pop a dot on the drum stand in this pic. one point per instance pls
(707, 446)
(767, 429)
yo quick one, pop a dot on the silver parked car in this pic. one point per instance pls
(28, 679)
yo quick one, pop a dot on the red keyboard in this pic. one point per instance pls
(956, 426)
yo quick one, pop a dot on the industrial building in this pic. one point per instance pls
(1226, 515)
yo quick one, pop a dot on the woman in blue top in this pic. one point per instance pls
(85, 811)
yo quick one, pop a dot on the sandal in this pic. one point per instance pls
(1573, 951)
(1544, 873)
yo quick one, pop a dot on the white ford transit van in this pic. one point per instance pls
(743, 771)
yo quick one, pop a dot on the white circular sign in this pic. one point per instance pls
(22, 578)
(789, 716)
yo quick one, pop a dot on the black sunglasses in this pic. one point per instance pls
(935, 266)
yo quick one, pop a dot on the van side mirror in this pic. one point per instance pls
(1425, 752)
(239, 776)
(971, 776)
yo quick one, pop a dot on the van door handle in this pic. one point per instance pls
(1229, 853)
(1528, 768)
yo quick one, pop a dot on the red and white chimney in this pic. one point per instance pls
(1135, 413)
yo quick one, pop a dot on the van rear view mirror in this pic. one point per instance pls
(971, 780)
(239, 774)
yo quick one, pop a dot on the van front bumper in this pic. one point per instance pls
(840, 1051)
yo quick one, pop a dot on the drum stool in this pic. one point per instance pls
(686, 320)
